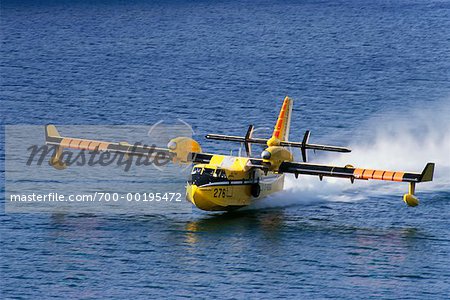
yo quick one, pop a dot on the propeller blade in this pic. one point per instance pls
(304, 143)
(248, 136)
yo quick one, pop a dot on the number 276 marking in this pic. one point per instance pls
(219, 193)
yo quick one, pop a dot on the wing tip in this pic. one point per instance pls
(51, 131)
(427, 173)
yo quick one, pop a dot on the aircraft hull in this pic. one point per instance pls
(230, 195)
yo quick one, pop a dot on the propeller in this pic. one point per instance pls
(304, 143)
(248, 136)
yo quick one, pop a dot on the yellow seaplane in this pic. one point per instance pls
(223, 183)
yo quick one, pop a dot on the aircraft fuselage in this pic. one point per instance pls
(215, 188)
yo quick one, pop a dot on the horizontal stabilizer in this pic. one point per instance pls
(303, 145)
(316, 147)
(232, 138)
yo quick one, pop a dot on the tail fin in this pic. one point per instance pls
(281, 130)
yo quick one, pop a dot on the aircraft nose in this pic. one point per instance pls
(190, 192)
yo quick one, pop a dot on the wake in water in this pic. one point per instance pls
(403, 141)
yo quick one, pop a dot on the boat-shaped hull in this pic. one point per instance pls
(230, 195)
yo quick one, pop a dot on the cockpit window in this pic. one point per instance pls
(221, 174)
(196, 171)
(208, 175)
(207, 171)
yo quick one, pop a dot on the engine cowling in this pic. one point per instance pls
(182, 146)
(273, 156)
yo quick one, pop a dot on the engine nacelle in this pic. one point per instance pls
(182, 146)
(275, 155)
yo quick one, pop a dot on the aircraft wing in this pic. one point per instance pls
(52, 137)
(356, 173)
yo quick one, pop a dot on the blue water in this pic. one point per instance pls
(371, 74)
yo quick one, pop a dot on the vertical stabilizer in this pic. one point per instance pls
(281, 130)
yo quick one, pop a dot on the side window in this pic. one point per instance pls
(222, 174)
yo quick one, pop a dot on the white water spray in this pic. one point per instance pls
(403, 141)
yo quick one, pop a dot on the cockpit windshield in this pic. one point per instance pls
(208, 171)
(196, 171)
(201, 176)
